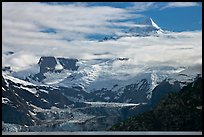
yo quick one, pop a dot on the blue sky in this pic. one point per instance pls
(178, 19)
(181, 16)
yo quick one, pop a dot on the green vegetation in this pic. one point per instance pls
(178, 111)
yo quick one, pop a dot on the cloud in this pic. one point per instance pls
(145, 6)
(22, 24)
(180, 4)
(142, 6)
(20, 61)
(72, 21)
(173, 49)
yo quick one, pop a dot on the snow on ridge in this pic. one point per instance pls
(31, 90)
(5, 100)
(42, 90)
(186, 75)
(58, 65)
(192, 70)
(154, 83)
(34, 69)
(3, 89)
(31, 113)
(17, 80)
(154, 24)
(53, 78)
(22, 82)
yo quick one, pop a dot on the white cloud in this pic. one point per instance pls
(143, 6)
(180, 4)
(20, 61)
(184, 49)
(71, 21)
(22, 22)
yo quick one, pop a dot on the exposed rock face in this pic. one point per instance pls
(52, 64)
(162, 89)
(6, 69)
(47, 64)
(69, 64)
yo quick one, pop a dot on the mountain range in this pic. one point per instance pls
(73, 94)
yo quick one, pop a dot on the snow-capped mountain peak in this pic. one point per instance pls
(143, 28)
(146, 28)
(154, 24)
(149, 21)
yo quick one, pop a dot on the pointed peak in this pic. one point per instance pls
(154, 24)
(149, 21)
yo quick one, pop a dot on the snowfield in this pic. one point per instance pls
(112, 104)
